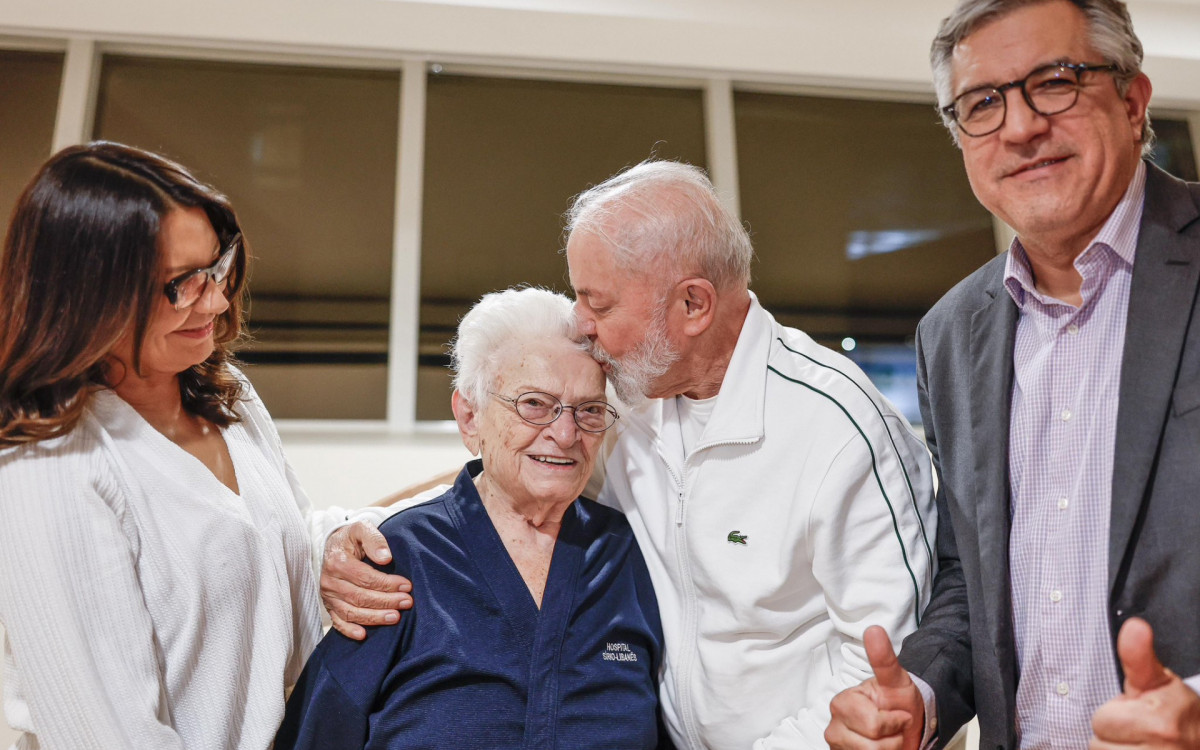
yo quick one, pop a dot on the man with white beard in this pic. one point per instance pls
(781, 503)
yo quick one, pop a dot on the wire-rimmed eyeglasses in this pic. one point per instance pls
(541, 409)
(187, 288)
(1049, 90)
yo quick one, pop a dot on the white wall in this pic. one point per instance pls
(351, 468)
(871, 44)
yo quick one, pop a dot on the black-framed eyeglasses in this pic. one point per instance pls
(542, 409)
(186, 289)
(1049, 90)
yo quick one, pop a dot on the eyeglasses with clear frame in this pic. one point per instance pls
(187, 288)
(541, 409)
(1049, 90)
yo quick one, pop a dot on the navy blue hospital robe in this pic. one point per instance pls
(474, 663)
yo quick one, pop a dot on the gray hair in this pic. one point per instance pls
(500, 322)
(666, 212)
(1110, 31)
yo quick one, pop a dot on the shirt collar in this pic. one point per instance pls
(1119, 234)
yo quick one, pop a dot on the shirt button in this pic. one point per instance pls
(1066, 414)
(1062, 688)
(1063, 502)
(1073, 329)
(1056, 596)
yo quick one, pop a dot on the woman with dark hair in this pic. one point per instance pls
(156, 565)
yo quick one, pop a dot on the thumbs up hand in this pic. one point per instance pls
(886, 711)
(1156, 710)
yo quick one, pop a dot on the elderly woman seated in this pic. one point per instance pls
(537, 626)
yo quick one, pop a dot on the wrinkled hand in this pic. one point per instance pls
(355, 593)
(884, 712)
(1157, 710)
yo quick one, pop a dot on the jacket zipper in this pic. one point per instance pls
(683, 687)
(688, 653)
(690, 623)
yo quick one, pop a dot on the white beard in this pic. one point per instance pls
(633, 375)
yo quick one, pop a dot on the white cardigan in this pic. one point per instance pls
(146, 605)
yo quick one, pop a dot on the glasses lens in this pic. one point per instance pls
(190, 288)
(979, 111)
(594, 416)
(1053, 89)
(538, 408)
(224, 264)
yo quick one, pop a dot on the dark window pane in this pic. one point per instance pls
(308, 157)
(502, 159)
(861, 216)
(29, 83)
(1173, 148)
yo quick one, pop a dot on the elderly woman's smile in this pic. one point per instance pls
(553, 460)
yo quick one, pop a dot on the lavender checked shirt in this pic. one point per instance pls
(1067, 367)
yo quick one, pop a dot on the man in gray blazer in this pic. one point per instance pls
(1060, 389)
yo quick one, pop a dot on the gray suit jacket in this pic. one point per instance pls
(965, 647)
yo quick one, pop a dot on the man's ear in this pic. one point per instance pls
(468, 421)
(1137, 99)
(698, 300)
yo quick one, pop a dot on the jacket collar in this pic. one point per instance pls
(739, 414)
(1163, 290)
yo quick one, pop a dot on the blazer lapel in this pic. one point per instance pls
(1161, 297)
(993, 330)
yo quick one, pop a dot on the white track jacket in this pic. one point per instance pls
(803, 515)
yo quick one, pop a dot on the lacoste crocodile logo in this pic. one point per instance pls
(736, 537)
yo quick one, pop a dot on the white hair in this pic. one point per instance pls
(500, 322)
(664, 213)
(1110, 31)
